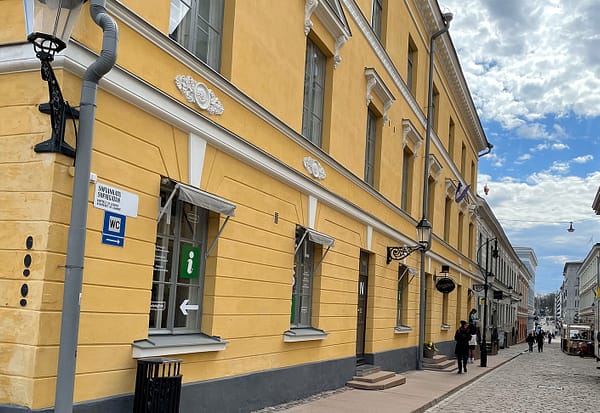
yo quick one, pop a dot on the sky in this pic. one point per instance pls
(533, 69)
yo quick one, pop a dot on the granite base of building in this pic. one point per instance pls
(236, 394)
(394, 360)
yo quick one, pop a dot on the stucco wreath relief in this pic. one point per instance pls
(197, 92)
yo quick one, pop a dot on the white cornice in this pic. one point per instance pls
(336, 25)
(375, 84)
(411, 137)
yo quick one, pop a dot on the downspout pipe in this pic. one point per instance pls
(69, 330)
(446, 18)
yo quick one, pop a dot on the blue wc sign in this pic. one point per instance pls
(113, 230)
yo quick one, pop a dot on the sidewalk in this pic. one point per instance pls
(423, 389)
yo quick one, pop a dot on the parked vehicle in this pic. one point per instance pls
(577, 339)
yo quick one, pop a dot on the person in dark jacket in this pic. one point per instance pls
(462, 337)
(540, 341)
(530, 340)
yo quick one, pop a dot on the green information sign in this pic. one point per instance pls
(189, 262)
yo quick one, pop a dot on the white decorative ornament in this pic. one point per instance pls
(198, 93)
(314, 168)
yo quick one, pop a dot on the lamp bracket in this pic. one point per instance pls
(399, 253)
(59, 111)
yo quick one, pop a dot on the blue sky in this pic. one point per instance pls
(533, 68)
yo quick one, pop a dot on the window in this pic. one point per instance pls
(178, 267)
(303, 281)
(407, 172)
(198, 26)
(463, 160)
(445, 311)
(411, 70)
(430, 199)
(314, 94)
(307, 261)
(461, 222)
(376, 22)
(370, 151)
(402, 298)
(471, 240)
(447, 216)
(178, 276)
(435, 104)
(451, 138)
(473, 174)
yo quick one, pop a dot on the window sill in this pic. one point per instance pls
(168, 345)
(402, 329)
(445, 327)
(304, 334)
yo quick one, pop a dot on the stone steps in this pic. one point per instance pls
(439, 363)
(373, 378)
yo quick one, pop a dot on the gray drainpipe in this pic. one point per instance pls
(69, 329)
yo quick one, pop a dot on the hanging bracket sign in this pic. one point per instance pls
(445, 285)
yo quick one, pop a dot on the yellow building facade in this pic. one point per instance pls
(260, 157)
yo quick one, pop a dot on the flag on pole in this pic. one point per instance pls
(461, 192)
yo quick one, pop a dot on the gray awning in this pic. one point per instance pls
(205, 200)
(319, 238)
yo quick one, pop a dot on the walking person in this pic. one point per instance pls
(462, 338)
(472, 342)
(540, 341)
(473, 317)
(530, 339)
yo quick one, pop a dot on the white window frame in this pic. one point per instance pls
(172, 336)
(185, 19)
(377, 18)
(314, 93)
(371, 147)
(306, 264)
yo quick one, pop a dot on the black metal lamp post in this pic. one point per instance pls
(49, 26)
(487, 273)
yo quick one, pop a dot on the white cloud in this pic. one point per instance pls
(559, 146)
(533, 68)
(559, 167)
(583, 159)
(527, 59)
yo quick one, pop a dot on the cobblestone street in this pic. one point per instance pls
(550, 381)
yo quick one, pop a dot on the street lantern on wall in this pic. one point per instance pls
(424, 238)
(49, 24)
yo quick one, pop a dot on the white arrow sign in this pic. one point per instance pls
(184, 307)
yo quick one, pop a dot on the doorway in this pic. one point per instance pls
(361, 316)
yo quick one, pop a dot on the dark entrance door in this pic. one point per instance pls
(361, 316)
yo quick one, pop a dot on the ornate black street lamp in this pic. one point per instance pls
(424, 238)
(49, 27)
